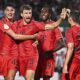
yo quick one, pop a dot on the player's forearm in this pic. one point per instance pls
(68, 55)
(57, 23)
(15, 36)
(23, 37)
(53, 25)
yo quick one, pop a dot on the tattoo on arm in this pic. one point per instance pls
(60, 44)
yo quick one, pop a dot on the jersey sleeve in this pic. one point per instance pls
(69, 36)
(40, 26)
(4, 28)
(58, 34)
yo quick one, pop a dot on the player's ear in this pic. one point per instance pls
(21, 14)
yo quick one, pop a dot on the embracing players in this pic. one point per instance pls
(28, 57)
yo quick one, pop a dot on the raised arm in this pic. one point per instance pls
(58, 22)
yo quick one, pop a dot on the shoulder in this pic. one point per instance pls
(69, 30)
(19, 22)
(1, 23)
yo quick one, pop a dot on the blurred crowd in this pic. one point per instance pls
(56, 6)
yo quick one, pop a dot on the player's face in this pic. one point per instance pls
(44, 14)
(69, 20)
(26, 15)
(9, 12)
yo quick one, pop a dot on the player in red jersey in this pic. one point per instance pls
(49, 42)
(28, 53)
(8, 47)
(72, 62)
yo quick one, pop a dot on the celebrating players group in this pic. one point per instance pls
(28, 46)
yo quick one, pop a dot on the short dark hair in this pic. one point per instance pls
(25, 7)
(46, 6)
(10, 5)
(75, 16)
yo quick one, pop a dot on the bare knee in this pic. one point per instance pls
(10, 78)
(11, 75)
(30, 75)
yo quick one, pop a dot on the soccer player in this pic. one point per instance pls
(8, 47)
(72, 61)
(28, 57)
(48, 42)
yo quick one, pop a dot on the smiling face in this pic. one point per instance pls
(9, 12)
(45, 14)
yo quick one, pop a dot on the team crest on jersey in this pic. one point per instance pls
(6, 26)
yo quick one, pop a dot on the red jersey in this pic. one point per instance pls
(1, 38)
(26, 48)
(7, 42)
(73, 36)
(47, 39)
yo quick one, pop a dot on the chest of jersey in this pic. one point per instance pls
(28, 29)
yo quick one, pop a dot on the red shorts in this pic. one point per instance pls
(8, 63)
(45, 67)
(74, 71)
(64, 77)
(27, 63)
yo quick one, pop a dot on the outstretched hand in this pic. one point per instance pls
(63, 13)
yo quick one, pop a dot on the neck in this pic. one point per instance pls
(46, 21)
(11, 20)
(74, 23)
(25, 23)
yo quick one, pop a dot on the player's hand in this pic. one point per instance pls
(65, 70)
(35, 43)
(63, 13)
(35, 36)
(68, 12)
